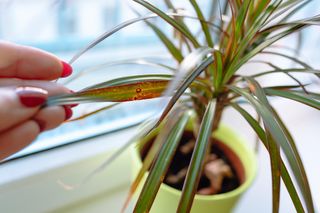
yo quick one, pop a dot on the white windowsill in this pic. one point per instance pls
(30, 184)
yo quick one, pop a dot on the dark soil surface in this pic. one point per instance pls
(181, 161)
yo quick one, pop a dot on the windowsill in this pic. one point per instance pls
(31, 183)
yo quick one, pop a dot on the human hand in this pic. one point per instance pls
(25, 75)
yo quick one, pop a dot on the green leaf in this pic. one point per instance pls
(309, 21)
(284, 172)
(197, 160)
(285, 87)
(108, 34)
(258, 9)
(302, 178)
(204, 26)
(119, 93)
(243, 12)
(287, 6)
(176, 24)
(280, 135)
(312, 95)
(101, 109)
(181, 28)
(302, 98)
(274, 152)
(217, 76)
(287, 71)
(250, 37)
(266, 43)
(149, 158)
(123, 84)
(175, 52)
(105, 66)
(161, 165)
(130, 80)
(256, 89)
(294, 59)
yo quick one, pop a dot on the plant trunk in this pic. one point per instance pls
(218, 112)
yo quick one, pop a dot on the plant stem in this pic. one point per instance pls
(221, 103)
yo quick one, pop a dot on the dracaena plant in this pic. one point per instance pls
(206, 80)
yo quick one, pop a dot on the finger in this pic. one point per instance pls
(30, 63)
(17, 138)
(52, 87)
(17, 106)
(51, 117)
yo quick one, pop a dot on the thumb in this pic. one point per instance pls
(20, 104)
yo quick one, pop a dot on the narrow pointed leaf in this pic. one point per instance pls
(161, 165)
(149, 158)
(183, 30)
(259, 8)
(284, 172)
(109, 33)
(302, 177)
(121, 93)
(279, 135)
(130, 80)
(217, 77)
(294, 59)
(273, 147)
(312, 95)
(197, 160)
(174, 51)
(128, 92)
(305, 99)
(121, 26)
(101, 109)
(241, 18)
(274, 152)
(308, 71)
(105, 66)
(266, 43)
(204, 26)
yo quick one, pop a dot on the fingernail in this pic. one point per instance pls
(41, 124)
(66, 69)
(32, 96)
(68, 112)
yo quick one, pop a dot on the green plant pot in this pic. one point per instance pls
(167, 198)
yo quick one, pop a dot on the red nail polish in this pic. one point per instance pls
(66, 69)
(41, 124)
(68, 112)
(32, 96)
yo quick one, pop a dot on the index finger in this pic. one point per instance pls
(30, 63)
